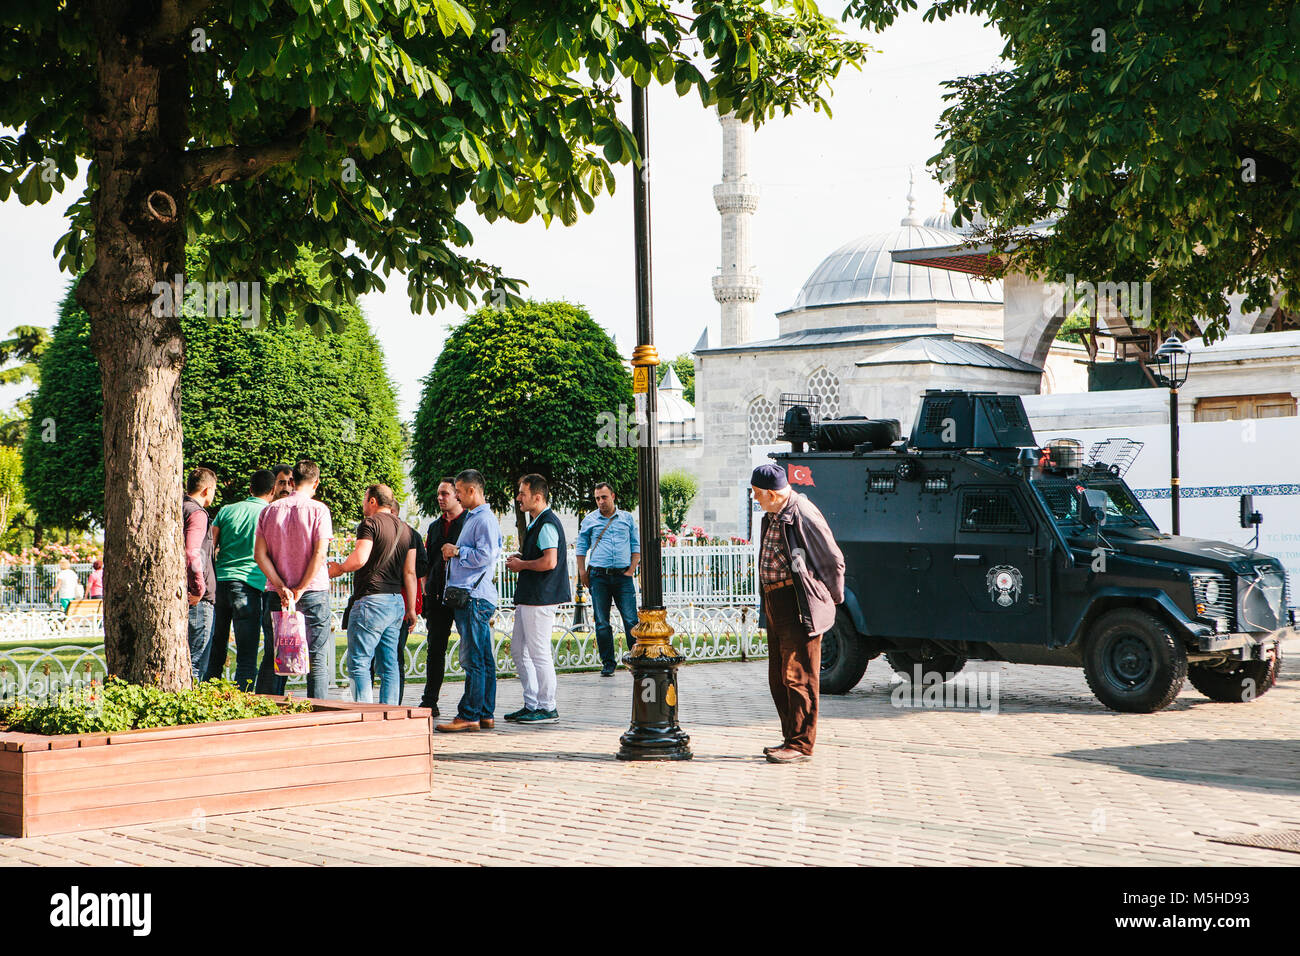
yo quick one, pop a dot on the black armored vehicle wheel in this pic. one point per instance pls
(845, 655)
(1132, 662)
(1240, 682)
(946, 665)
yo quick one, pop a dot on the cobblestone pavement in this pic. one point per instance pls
(1050, 778)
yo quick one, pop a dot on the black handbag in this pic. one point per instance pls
(458, 598)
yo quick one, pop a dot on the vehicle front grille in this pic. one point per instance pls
(1215, 593)
(1262, 599)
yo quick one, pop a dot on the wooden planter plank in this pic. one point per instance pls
(184, 810)
(221, 728)
(44, 780)
(212, 746)
(338, 752)
(221, 785)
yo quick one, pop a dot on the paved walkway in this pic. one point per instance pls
(1051, 778)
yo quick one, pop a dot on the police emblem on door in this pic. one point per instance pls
(1004, 583)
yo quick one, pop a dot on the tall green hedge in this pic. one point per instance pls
(249, 398)
(522, 390)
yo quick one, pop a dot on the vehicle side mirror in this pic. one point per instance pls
(1249, 517)
(1094, 507)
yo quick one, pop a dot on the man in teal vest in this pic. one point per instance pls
(543, 568)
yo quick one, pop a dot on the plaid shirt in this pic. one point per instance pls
(773, 561)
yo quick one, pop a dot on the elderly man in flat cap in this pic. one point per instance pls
(801, 576)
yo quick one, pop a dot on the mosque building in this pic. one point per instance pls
(865, 335)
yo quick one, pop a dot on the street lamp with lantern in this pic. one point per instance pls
(654, 733)
(1172, 362)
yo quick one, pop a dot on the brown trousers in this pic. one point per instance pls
(794, 660)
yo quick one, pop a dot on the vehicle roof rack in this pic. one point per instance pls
(1115, 454)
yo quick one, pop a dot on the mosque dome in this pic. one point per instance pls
(673, 408)
(863, 272)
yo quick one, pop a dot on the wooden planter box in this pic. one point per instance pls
(340, 751)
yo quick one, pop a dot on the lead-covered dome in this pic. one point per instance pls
(862, 271)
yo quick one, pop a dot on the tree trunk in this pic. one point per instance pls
(137, 127)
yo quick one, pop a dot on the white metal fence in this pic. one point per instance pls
(703, 633)
(703, 574)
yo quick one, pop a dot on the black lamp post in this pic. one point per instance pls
(653, 734)
(1173, 361)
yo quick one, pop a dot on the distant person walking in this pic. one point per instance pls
(609, 554)
(438, 618)
(801, 576)
(383, 593)
(472, 595)
(293, 536)
(200, 573)
(240, 582)
(95, 583)
(66, 583)
(543, 567)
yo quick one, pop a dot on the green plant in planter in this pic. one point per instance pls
(116, 706)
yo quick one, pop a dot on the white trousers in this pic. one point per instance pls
(530, 646)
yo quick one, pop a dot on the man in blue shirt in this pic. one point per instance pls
(609, 553)
(470, 563)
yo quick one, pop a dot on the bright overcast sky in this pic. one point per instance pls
(823, 181)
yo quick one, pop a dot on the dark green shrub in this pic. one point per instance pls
(115, 706)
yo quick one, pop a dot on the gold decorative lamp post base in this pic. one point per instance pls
(654, 733)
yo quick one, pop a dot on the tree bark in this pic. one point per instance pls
(137, 126)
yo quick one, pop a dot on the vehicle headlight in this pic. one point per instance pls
(1212, 592)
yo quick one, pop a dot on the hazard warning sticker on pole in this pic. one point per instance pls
(640, 379)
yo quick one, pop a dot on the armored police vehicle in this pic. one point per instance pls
(966, 540)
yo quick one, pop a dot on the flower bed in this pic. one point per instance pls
(337, 751)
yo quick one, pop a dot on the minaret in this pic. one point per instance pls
(736, 285)
(911, 219)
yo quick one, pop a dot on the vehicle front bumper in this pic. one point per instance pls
(1247, 645)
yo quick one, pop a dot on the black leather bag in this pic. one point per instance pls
(458, 598)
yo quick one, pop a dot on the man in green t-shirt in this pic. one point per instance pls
(240, 582)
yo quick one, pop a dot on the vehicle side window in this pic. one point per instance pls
(992, 511)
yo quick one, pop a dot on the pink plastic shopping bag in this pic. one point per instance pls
(291, 656)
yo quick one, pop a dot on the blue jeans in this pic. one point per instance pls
(622, 590)
(200, 634)
(315, 608)
(480, 697)
(374, 624)
(238, 605)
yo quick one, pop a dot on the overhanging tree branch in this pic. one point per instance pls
(201, 168)
(174, 16)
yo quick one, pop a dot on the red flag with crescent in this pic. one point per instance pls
(799, 474)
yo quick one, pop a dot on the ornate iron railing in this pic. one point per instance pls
(703, 633)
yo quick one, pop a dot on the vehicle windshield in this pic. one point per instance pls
(1063, 498)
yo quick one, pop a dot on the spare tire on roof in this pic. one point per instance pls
(845, 434)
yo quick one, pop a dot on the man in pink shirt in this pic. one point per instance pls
(293, 536)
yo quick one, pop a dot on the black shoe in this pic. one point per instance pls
(607, 671)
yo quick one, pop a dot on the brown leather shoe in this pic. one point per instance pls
(787, 755)
(457, 726)
(768, 750)
(487, 723)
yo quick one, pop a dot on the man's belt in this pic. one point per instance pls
(622, 570)
(777, 585)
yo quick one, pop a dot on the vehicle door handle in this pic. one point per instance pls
(967, 558)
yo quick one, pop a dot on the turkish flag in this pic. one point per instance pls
(799, 474)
